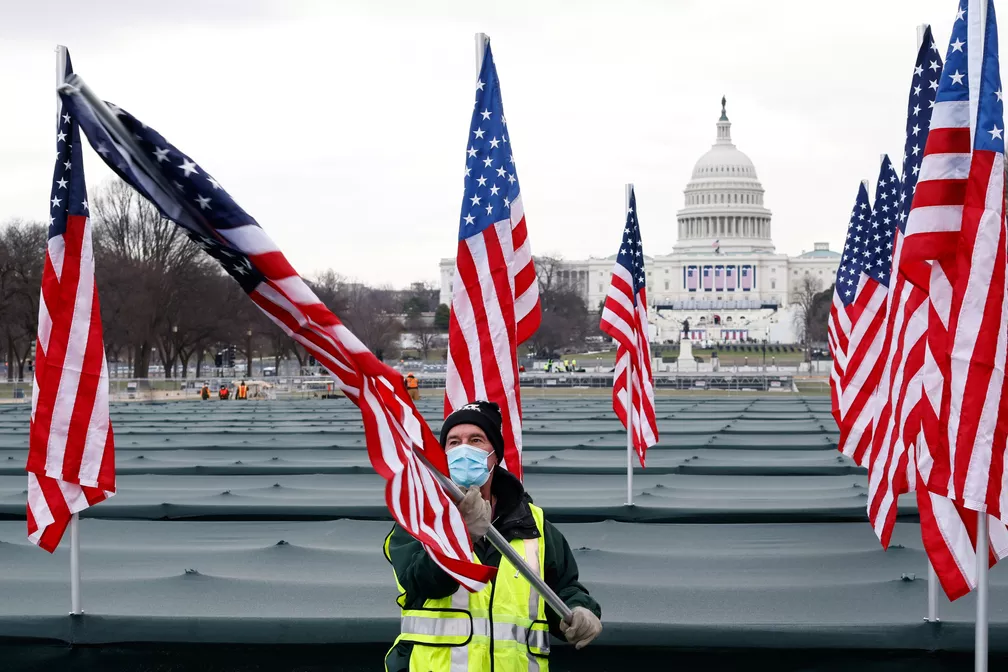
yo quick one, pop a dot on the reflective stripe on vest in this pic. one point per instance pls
(454, 633)
(435, 629)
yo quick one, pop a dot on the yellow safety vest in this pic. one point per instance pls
(458, 633)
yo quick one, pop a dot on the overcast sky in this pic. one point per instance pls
(342, 126)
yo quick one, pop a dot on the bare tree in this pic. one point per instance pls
(22, 253)
(424, 333)
(565, 317)
(804, 298)
(371, 314)
(143, 259)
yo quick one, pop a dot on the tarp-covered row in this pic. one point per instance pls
(809, 585)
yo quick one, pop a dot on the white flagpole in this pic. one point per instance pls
(629, 398)
(976, 32)
(481, 41)
(75, 575)
(982, 551)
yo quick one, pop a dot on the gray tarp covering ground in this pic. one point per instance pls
(262, 522)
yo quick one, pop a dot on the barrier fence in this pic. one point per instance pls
(307, 387)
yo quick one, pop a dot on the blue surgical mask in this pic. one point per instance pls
(468, 465)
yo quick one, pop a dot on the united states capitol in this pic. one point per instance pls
(724, 275)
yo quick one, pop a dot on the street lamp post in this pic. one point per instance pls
(766, 336)
(174, 332)
(248, 359)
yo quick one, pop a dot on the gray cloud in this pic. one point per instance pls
(341, 126)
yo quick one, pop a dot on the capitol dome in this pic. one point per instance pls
(724, 209)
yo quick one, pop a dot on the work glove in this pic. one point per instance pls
(584, 626)
(475, 512)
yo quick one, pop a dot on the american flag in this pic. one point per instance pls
(863, 286)
(395, 432)
(839, 321)
(957, 222)
(691, 278)
(897, 411)
(731, 277)
(708, 278)
(495, 294)
(978, 315)
(71, 456)
(625, 318)
(719, 280)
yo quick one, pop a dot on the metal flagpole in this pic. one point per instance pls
(976, 35)
(481, 42)
(980, 662)
(493, 536)
(75, 594)
(629, 397)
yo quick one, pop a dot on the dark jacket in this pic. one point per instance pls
(423, 579)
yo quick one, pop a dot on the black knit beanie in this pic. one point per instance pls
(484, 414)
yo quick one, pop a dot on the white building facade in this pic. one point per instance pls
(724, 275)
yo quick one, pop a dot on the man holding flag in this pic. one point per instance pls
(430, 638)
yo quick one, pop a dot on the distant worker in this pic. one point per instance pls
(205, 392)
(574, 365)
(242, 391)
(224, 392)
(566, 365)
(413, 386)
(505, 626)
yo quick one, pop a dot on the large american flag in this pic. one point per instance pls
(495, 293)
(71, 457)
(395, 432)
(957, 223)
(838, 322)
(857, 313)
(900, 387)
(973, 470)
(866, 290)
(625, 318)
